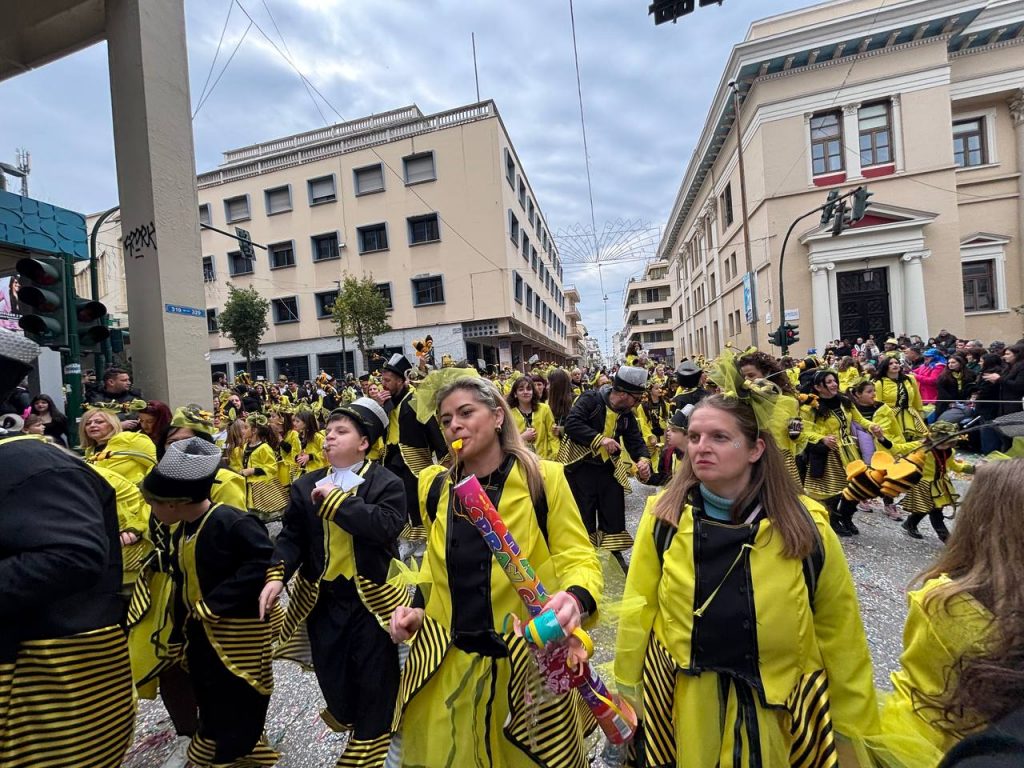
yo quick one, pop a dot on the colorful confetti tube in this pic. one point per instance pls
(614, 715)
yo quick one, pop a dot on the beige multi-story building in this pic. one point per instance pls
(574, 322)
(648, 312)
(919, 100)
(436, 208)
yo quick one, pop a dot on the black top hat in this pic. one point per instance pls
(630, 379)
(398, 364)
(688, 373)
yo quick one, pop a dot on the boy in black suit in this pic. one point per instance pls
(339, 536)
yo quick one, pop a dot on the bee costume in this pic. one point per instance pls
(65, 681)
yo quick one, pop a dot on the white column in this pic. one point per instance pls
(915, 312)
(821, 306)
(896, 132)
(156, 182)
(851, 140)
(1017, 113)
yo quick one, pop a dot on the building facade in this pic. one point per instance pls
(437, 209)
(920, 101)
(648, 312)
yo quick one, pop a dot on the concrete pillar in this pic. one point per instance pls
(156, 180)
(1016, 104)
(915, 310)
(821, 306)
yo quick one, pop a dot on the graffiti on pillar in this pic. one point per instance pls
(141, 241)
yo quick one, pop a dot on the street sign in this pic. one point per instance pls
(175, 309)
(792, 314)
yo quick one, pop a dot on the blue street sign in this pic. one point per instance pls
(174, 309)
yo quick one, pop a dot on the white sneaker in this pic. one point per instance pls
(178, 758)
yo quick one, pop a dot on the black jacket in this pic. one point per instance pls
(374, 515)
(949, 392)
(413, 433)
(586, 421)
(1011, 388)
(60, 551)
(232, 556)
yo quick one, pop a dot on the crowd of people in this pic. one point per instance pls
(154, 563)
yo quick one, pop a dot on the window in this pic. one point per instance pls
(278, 200)
(725, 207)
(285, 310)
(385, 291)
(969, 142)
(513, 228)
(419, 168)
(427, 290)
(294, 368)
(529, 211)
(526, 249)
(258, 368)
(517, 281)
(979, 286)
(236, 209)
(522, 193)
(322, 190)
(281, 255)
(875, 136)
(533, 260)
(204, 214)
(373, 238)
(331, 363)
(325, 303)
(209, 269)
(369, 179)
(238, 264)
(211, 321)
(423, 229)
(826, 143)
(529, 299)
(325, 247)
(510, 169)
(537, 306)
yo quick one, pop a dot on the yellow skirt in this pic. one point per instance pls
(831, 483)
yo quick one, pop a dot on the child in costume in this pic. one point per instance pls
(339, 535)
(219, 563)
(266, 498)
(934, 490)
(533, 418)
(675, 447)
(306, 444)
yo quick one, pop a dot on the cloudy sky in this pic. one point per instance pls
(646, 91)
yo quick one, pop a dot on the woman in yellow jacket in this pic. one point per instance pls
(533, 419)
(305, 441)
(652, 414)
(749, 648)
(265, 496)
(863, 396)
(962, 643)
(828, 424)
(900, 392)
(464, 699)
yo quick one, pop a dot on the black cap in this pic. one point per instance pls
(688, 373)
(681, 419)
(186, 471)
(370, 419)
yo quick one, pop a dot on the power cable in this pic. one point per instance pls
(225, 69)
(202, 93)
(289, 50)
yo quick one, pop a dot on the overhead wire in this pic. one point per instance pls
(216, 53)
(225, 69)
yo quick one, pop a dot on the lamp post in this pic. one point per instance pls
(344, 354)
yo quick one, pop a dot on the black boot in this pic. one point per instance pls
(850, 526)
(839, 525)
(844, 511)
(909, 525)
(939, 524)
(621, 560)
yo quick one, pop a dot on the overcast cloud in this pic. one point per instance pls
(646, 91)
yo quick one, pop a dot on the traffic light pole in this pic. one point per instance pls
(72, 359)
(105, 355)
(782, 256)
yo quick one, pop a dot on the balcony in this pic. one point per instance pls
(571, 294)
(572, 313)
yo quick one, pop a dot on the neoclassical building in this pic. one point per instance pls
(920, 101)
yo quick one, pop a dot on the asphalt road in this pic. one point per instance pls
(883, 561)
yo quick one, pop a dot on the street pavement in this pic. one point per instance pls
(883, 561)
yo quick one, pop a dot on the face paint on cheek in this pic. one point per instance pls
(736, 444)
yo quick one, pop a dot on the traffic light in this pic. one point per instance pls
(841, 219)
(43, 289)
(792, 335)
(245, 243)
(830, 207)
(670, 10)
(92, 326)
(860, 203)
(118, 338)
(775, 337)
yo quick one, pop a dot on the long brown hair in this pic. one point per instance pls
(559, 394)
(770, 369)
(984, 558)
(770, 484)
(485, 393)
(513, 400)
